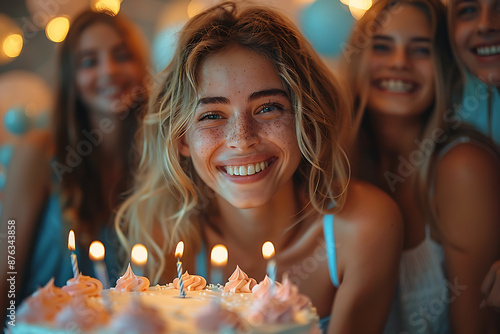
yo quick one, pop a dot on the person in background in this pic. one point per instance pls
(443, 175)
(241, 144)
(474, 28)
(75, 175)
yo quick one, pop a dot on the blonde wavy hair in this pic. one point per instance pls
(439, 116)
(169, 198)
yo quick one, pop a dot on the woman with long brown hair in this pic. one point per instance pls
(74, 176)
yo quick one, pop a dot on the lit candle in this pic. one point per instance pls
(218, 259)
(268, 253)
(178, 254)
(71, 247)
(139, 257)
(96, 255)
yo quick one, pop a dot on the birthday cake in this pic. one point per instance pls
(240, 306)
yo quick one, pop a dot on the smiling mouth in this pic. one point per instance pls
(491, 50)
(248, 169)
(396, 85)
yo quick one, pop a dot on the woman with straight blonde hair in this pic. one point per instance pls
(242, 144)
(444, 176)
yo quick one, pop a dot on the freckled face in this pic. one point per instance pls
(242, 141)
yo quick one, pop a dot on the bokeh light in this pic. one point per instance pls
(57, 29)
(12, 45)
(112, 6)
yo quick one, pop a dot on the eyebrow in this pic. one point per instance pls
(414, 39)
(253, 96)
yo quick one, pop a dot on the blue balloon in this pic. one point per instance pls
(16, 121)
(6, 152)
(327, 25)
(3, 180)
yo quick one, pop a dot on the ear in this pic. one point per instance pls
(184, 147)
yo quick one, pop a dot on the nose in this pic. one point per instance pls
(399, 58)
(487, 23)
(108, 66)
(243, 132)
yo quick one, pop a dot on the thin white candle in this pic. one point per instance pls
(268, 253)
(178, 254)
(96, 255)
(139, 256)
(218, 259)
(72, 247)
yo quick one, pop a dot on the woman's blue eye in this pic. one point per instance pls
(210, 116)
(422, 51)
(466, 10)
(123, 56)
(271, 107)
(87, 62)
(380, 47)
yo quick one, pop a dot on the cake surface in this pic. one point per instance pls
(160, 309)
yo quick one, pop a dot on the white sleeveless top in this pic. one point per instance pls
(421, 303)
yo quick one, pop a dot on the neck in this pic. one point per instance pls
(396, 135)
(107, 134)
(250, 228)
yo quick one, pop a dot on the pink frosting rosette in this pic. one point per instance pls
(138, 318)
(215, 318)
(43, 305)
(82, 313)
(130, 282)
(261, 289)
(191, 282)
(239, 282)
(271, 310)
(289, 292)
(83, 285)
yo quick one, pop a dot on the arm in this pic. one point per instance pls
(370, 246)
(467, 197)
(27, 188)
(491, 287)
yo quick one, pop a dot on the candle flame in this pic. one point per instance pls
(268, 250)
(96, 251)
(139, 254)
(71, 240)
(219, 255)
(179, 250)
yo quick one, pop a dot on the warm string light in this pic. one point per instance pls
(96, 255)
(179, 250)
(72, 247)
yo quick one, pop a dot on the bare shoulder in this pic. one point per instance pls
(467, 164)
(370, 209)
(32, 155)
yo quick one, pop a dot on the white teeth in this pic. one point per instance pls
(488, 50)
(249, 169)
(396, 85)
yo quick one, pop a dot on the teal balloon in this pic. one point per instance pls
(6, 152)
(3, 180)
(327, 25)
(16, 121)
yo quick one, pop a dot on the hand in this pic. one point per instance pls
(491, 287)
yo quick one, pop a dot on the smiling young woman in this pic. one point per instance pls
(242, 143)
(444, 176)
